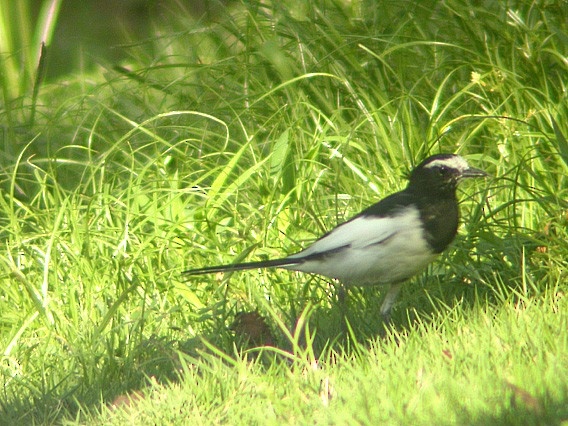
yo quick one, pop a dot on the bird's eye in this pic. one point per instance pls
(443, 171)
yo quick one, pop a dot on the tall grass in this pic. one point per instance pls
(24, 38)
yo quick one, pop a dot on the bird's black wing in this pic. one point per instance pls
(374, 225)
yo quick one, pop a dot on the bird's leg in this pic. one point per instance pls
(389, 300)
(341, 293)
(342, 303)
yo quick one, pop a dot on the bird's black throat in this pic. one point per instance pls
(440, 217)
(434, 193)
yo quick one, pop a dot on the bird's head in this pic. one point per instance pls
(441, 173)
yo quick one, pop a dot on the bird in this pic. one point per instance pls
(389, 242)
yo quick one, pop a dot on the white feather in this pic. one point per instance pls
(370, 250)
(455, 162)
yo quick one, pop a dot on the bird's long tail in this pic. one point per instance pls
(275, 263)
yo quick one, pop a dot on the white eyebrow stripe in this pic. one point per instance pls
(457, 163)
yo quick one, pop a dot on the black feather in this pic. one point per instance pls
(274, 263)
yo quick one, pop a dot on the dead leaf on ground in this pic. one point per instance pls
(522, 396)
(127, 401)
(252, 328)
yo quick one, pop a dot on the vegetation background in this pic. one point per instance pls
(151, 137)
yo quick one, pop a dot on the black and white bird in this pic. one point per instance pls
(390, 241)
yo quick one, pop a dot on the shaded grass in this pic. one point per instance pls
(485, 352)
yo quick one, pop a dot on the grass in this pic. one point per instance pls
(358, 388)
(250, 136)
(23, 44)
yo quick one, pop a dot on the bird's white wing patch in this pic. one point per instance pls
(369, 250)
(360, 232)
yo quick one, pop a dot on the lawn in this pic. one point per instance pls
(246, 134)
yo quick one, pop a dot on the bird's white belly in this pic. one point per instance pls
(398, 258)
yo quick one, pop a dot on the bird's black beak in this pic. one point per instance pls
(474, 173)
